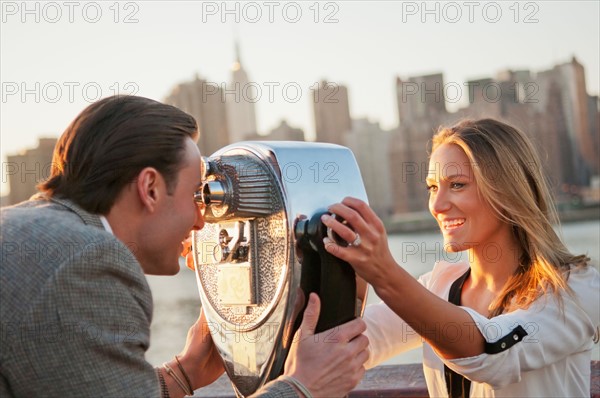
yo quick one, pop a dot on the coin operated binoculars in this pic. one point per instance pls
(261, 251)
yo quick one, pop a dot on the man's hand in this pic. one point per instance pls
(329, 364)
(200, 357)
(187, 253)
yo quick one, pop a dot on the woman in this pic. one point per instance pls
(521, 317)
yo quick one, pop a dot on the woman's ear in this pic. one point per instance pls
(150, 186)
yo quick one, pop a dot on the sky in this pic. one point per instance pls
(58, 57)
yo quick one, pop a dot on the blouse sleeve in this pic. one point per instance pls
(388, 334)
(529, 339)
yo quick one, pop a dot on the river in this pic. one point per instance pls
(177, 304)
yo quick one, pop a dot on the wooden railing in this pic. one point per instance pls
(384, 381)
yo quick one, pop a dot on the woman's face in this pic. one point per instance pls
(465, 219)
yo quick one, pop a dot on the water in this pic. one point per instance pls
(177, 305)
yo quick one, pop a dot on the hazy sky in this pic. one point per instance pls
(57, 57)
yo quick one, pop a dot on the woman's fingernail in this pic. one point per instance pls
(325, 218)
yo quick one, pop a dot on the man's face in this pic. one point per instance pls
(176, 216)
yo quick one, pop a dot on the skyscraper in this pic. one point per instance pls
(206, 103)
(332, 112)
(421, 110)
(26, 169)
(370, 145)
(283, 132)
(420, 97)
(554, 109)
(576, 108)
(240, 99)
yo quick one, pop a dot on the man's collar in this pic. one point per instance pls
(88, 218)
(106, 224)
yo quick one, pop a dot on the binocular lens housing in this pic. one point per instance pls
(213, 193)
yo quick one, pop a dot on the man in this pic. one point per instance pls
(75, 305)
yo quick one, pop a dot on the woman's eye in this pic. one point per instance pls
(432, 188)
(457, 185)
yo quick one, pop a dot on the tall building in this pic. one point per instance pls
(550, 133)
(239, 100)
(283, 132)
(594, 128)
(28, 168)
(370, 145)
(332, 112)
(576, 110)
(420, 97)
(205, 101)
(421, 110)
(563, 89)
(482, 102)
(554, 109)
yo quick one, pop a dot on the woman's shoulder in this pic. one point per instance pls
(584, 280)
(585, 284)
(590, 271)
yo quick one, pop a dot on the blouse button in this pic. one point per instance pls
(503, 345)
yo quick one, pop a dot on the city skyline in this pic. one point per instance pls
(109, 55)
(562, 118)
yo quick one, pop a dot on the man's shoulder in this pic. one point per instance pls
(46, 246)
(44, 234)
(44, 219)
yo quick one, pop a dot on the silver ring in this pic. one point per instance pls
(356, 242)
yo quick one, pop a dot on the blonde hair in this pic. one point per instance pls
(509, 177)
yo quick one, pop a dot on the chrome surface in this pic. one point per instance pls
(247, 267)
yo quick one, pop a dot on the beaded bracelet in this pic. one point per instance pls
(296, 383)
(164, 390)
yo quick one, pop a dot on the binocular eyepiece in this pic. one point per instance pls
(211, 193)
(238, 187)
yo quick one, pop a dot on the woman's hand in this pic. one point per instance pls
(371, 258)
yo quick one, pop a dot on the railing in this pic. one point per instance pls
(384, 381)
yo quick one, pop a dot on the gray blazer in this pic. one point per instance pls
(75, 307)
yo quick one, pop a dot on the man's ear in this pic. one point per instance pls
(150, 186)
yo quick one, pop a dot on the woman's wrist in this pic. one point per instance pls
(387, 284)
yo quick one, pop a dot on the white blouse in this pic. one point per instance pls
(551, 360)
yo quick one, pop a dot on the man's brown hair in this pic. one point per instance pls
(110, 142)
